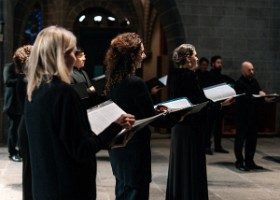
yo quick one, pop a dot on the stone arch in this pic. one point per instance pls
(77, 8)
(171, 22)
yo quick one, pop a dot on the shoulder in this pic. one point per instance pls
(63, 88)
(136, 84)
(135, 80)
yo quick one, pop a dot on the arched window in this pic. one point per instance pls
(94, 28)
(33, 24)
(101, 18)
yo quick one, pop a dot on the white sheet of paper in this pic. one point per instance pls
(163, 80)
(102, 116)
(177, 103)
(219, 92)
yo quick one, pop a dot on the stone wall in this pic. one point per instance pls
(237, 30)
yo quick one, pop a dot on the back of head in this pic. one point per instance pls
(203, 59)
(122, 57)
(181, 52)
(47, 58)
(20, 58)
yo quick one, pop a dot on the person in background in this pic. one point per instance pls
(203, 72)
(203, 75)
(131, 164)
(247, 118)
(216, 116)
(80, 76)
(11, 108)
(61, 143)
(187, 177)
(20, 59)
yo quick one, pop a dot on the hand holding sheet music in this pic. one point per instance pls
(181, 104)
(159, 82)
(274, 97)
(102, 115)
(220, 92)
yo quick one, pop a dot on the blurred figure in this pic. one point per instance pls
(247, 118)
(11, 108)
(20, 59)
(203, 75)
(216, 116)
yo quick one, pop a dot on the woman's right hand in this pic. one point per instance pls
(126, 121)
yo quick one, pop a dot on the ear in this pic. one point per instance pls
(188, 59)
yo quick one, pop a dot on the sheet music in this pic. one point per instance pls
(219, 92)
(176, 103)
(101, 116)
(163, 80)
(182, 104)
(267, 95)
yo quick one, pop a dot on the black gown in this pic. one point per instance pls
(131, 165)
(61, 143)
(23, 139)
(187, 177)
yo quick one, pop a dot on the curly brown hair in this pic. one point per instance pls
(122, 58)
(20, 58)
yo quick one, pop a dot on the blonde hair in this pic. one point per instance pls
(181, 52)
(47, 58)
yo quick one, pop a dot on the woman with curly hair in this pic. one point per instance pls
(131, 165)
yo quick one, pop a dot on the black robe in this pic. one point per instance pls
(247, 118)
(132, 164)
(187, 178)
(62, 145)
(81, 76)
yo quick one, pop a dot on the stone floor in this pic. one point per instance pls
(224, 181)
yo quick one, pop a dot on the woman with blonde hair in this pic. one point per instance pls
(62, 145)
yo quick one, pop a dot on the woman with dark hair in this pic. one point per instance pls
(187, 178)
(131, 165)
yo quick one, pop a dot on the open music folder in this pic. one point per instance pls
(220, 92)
(102, 115)
(160, 82)
(182, 104)
(274, 97)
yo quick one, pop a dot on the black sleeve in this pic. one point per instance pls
(74, 128)
(143, 102)
(9, 76)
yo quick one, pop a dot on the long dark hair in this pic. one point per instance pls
(122, 58)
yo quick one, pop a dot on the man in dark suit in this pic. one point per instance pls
(79, 76)
(12, 110)
(247, 118)
(216, 116)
